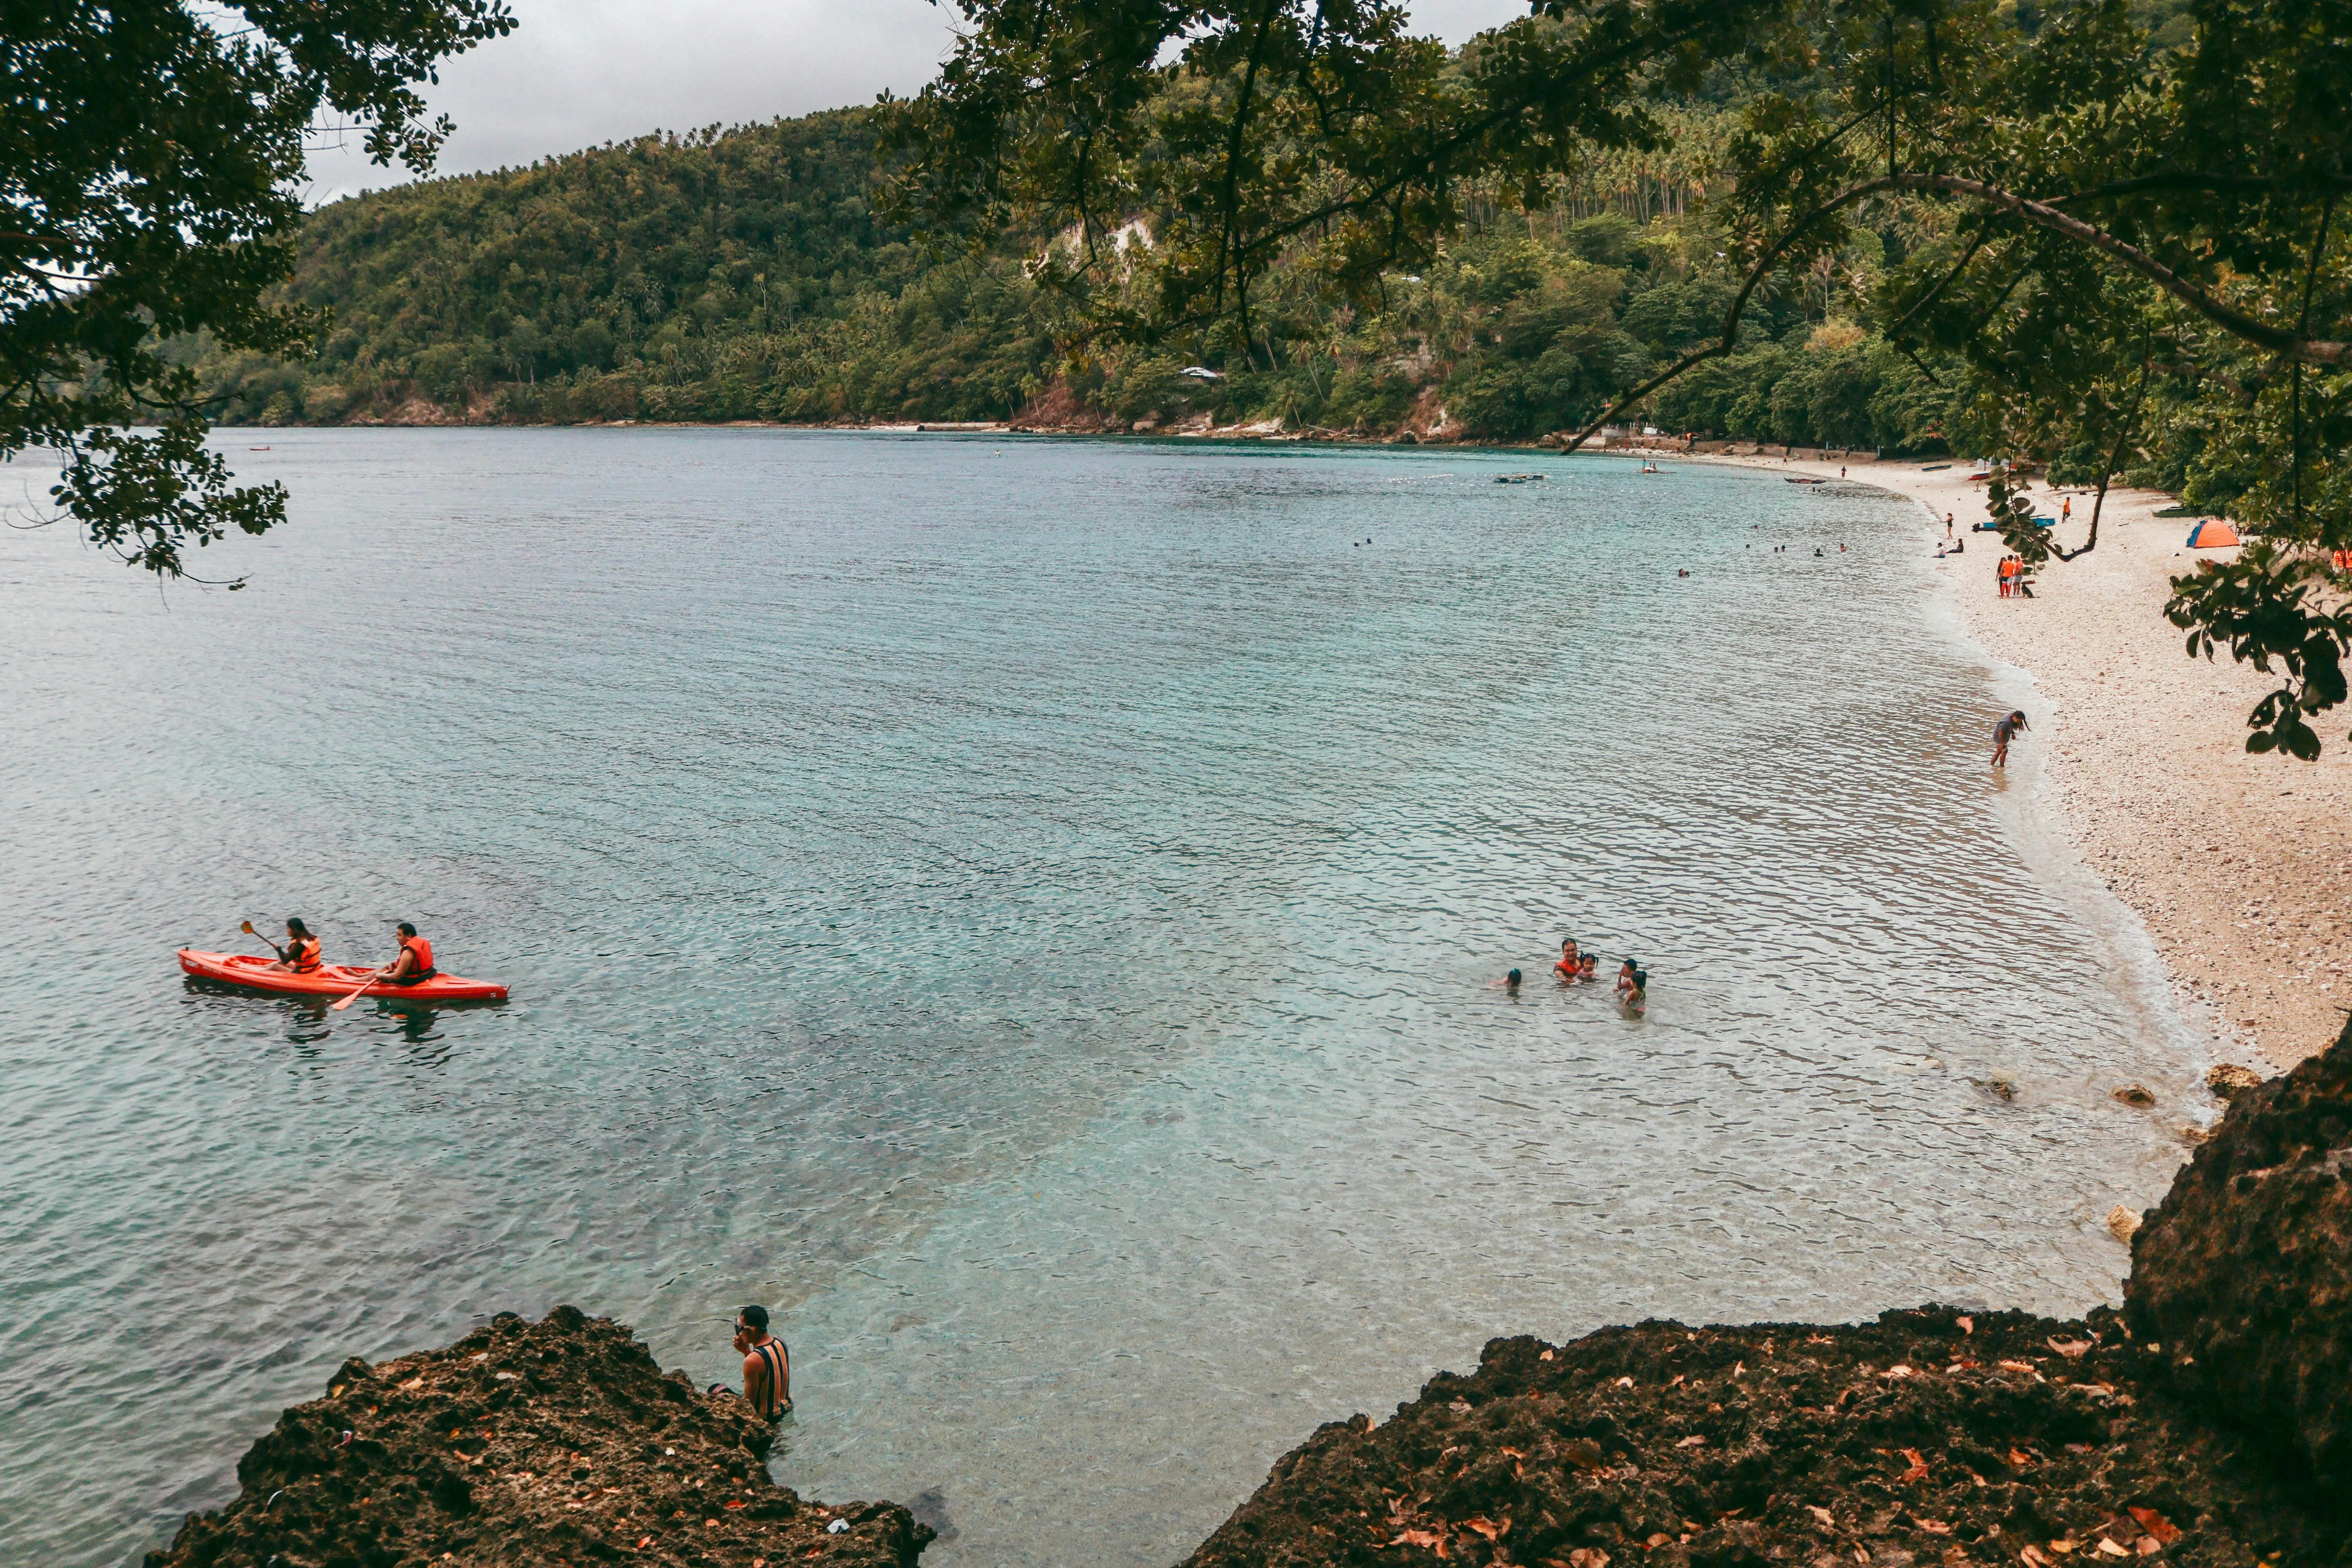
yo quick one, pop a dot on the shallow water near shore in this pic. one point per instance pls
(1030, 912)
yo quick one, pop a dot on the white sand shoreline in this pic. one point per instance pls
(2239, 865)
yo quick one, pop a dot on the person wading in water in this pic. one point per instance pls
(2002, 733)
(767, 1365)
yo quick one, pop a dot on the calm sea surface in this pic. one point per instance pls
(1029, 912)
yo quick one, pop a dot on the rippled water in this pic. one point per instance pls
(1029, 912)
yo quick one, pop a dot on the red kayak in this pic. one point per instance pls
(329, 979)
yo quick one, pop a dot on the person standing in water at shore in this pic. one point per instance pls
(2001, 733)
(767, 1365)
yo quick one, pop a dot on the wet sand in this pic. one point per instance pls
(2239, 866)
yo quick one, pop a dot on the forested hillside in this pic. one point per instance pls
(747, 275)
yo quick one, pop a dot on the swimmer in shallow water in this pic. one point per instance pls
(1511, 982)
(1590, 972)
(1569, 963)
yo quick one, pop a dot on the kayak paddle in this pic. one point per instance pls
(247, 929)
(355, 996)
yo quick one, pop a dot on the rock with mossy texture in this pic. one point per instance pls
(2212, 1425)
(528, 1444)
(1929, 1436)
(2228, 1080)
(2244, 1274)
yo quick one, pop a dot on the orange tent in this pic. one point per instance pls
(2212, 534)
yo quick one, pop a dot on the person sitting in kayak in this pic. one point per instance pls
(416, 961)
(301, 953)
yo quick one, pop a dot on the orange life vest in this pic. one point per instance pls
(302, 954)
(423, 951)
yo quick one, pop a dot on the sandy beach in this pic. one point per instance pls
(2239, 866)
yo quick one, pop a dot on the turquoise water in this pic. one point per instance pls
(1029, 912)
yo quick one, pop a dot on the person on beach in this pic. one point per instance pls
(2007, 573)
(767, 1366)
(415, 963)
(301, 953)
(2001, 733)
(1568, 965)
(1947, 525)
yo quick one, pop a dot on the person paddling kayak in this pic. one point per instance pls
(416, 960)
(301, 953)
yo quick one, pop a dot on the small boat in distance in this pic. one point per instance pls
(256, 448)
(1515, 478)
(252, 974)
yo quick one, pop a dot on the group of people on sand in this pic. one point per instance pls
(2014, 583)
(301, 954)
(1576, 967)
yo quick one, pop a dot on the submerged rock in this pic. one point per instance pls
(2244, 1274)
(555, 1442)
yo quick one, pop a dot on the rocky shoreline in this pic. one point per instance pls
(2210, 1422)
(526, 1444)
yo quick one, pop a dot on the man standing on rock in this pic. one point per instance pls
(767, 1365)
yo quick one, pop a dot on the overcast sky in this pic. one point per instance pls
(578, 73)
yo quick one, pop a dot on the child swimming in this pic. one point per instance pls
(1633, 988)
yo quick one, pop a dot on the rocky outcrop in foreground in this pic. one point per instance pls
(2211, 1425)
(2244, 1274)
(555, 1442)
